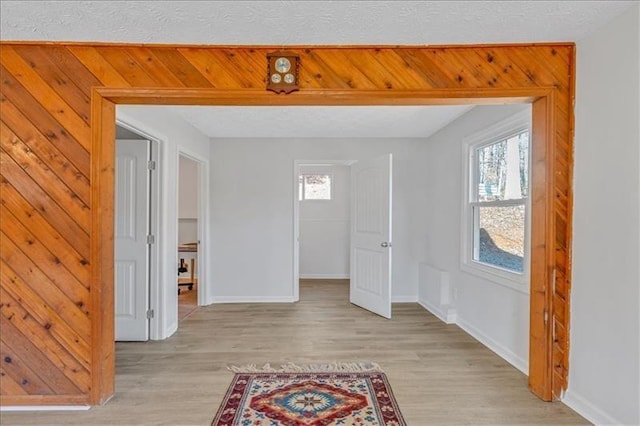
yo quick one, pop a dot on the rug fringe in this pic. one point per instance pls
(335, 367)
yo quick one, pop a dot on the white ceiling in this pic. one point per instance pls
(305, 22)
(308, 23)
(320, 121)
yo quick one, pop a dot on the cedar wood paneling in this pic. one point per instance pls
(55, 350)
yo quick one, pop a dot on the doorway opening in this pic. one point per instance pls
(322, 224)
(164, 276)
(104, 101)
(189, 237)
(342, 227)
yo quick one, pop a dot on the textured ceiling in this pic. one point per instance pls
(305, 22)
(316, 121)
(308, 23)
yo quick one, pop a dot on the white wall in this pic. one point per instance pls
(174, 134)
(187, 231)
(496, 315)
(187, 200)
(252, 184)
(604, 371)
(187, 189)
(325, 232)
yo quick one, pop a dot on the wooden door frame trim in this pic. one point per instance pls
(319, 97)
(104, 100)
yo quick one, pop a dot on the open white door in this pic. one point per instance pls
(131, 264)
(371, 235)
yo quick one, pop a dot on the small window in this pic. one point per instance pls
(314, 187)
(496, 212)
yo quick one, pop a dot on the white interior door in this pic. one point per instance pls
(131, 247)
(371, 235)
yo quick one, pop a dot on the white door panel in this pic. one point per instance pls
(131, 264)
(125, 276)
(371, 235)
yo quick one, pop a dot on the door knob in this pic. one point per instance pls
(385, 244)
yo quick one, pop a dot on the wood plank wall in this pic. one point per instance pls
(48, 339)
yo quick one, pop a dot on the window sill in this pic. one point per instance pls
(514, 281)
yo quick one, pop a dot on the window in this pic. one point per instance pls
(314, 186)
(496, 210)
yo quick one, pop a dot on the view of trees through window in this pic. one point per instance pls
(503, 169)
(314, 187)
(502, 178)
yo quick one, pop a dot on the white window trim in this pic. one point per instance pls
(501, 130)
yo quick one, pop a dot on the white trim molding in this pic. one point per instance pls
(297, 165)
(253, 299)
(447, 314)
(204, 207)
(324, 277)
(506, 354)
(45, 408)
(501, 130)
(586, 409)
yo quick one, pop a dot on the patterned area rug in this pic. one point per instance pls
(313, 395)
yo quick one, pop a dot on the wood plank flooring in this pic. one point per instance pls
(440, 375)
(187, 299)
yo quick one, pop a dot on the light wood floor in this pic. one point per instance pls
(439, 374)
(187, 300)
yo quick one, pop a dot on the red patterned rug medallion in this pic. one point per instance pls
(325, 395)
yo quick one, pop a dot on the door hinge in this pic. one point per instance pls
(546, 316)
(151, 165)
(150, 313)
(151, 239)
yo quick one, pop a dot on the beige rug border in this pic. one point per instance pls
(333, 367)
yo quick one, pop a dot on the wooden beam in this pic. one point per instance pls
(259, 97)
(103, 115)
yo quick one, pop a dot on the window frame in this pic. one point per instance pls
(497, 132)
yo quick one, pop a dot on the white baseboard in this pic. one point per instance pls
(513, 359)
(589, 411)
(448, 316)
(324, 277)
(45, 408)
(404, 299)
(253, 299)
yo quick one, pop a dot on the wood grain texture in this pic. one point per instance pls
(19, 108)
(58, 107)
(439, 374)
(102, 249)
(61, 332)
(539, 333)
